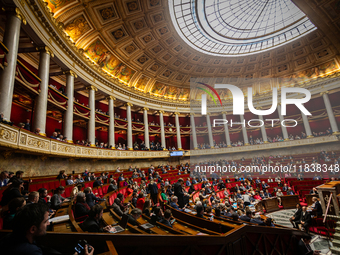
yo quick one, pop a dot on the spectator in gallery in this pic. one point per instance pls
(113, 185)
(28, 125)
(81, 207)
(37, 131)
(4, 178)
(91, 199)
(54, 135)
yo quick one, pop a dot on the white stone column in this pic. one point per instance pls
(112, 122)
(40, 107)
(306, 125)
(193, 131)
(68, 118)
(330, 113)
(226, 130)
(146, 128)
(263, 131)
(129, 126)
(178, 132)
(7, 77)
(161, 122)
(211, 139)
(284, 129)
(91, 129)
(244, 131)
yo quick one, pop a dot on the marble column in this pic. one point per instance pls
(244, 131)
(210, 135)
(161, 122)
(226, 130)
(306, 125)
(146, 128)
(92, 121)
(193, 131)
(178, 132)
(284, 129)
(40, 107)
(112, 122)
(129, 127)
(7, 77)
(330, 113)
(263, 131)
(68, 118)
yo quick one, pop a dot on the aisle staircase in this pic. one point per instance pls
(318, 242)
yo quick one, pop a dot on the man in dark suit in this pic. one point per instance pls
(305, 219)
(28, 125)
(166, 218)
(90, 197)
(200, 211)
(97, 182)
(93, 222)
(295, 219)
(153, 190)
(178, 190)
(246, 217)
(174, 204)
(304, 247)
(317, 210)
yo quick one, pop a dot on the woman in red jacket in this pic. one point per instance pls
(140, 201)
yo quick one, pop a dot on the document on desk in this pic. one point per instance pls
(60, 219)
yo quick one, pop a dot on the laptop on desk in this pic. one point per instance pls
(121, 225)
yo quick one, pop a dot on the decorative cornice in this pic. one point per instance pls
(110, 98)
(17, 14)
(70, 72)
(92, 88)
(46, 49)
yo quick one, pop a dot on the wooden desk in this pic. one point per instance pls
(63, 226)
(289, 202)
(309, 198)
(270, 204)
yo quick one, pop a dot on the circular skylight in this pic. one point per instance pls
(238, 27)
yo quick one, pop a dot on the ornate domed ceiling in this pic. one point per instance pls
(136, 42)
(238, 27)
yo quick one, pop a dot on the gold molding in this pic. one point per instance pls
(46, 49)
(110, 98)
(91, 87)
(70, 72)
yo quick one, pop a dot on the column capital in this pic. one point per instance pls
(192, 114)
(110, 98)
(92, 88)
(162, 112)
(323, 93)
(70, 72)
(145, 108)
(128, 104)
(176, 113)
(17, 12)
(224, 112)
(47, 50)
(208, 114)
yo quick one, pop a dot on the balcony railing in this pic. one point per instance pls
(15, 138)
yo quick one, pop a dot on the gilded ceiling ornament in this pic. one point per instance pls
(77, 27)
(107, 13)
